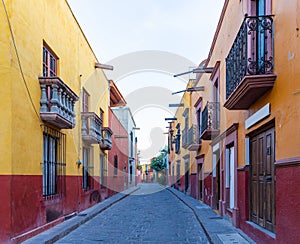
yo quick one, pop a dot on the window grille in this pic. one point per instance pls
(54, 163)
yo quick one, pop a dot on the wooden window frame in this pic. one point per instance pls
(50, 62)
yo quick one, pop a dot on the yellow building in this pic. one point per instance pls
(54, 108)
(184, 143)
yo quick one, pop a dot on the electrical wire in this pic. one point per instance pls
(19, 61)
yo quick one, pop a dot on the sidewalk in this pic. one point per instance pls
(64, 228)
(216, 228)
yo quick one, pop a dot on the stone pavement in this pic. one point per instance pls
(150, 214)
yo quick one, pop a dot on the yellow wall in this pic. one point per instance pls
(35, 22)
(203, 80)
(5, 97)
(284, 97)
(187, 102)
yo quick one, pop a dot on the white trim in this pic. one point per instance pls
(216, 147)
(247, 151)
(227, 163)
(214, 161)
(231, 178)
(258, 116)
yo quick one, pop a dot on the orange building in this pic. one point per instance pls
(248, 118)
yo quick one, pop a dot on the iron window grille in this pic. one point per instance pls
(54, 163)
(87, 170)
(116, 165)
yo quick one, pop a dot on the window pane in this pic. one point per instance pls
(53, 171)
(49, 63)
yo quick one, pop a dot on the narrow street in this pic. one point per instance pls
(150, 215)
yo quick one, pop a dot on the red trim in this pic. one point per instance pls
(201, 158)
(214, 74)
(249, 91)
(197, 103)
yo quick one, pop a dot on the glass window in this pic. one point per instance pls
(116, 165)
(54, 165)
(87, 170)
(49, 63)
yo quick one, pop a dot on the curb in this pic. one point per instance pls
(211, 222)
(59, 231)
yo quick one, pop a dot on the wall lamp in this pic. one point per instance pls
(191, 89)
(120, 136)
(104, 66)
(175, 105)
(208, 70)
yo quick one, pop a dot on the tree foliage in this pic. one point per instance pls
(159, 163)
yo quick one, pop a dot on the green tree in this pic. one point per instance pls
(159, 163)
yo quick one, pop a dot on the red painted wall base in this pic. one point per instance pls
(24, 209)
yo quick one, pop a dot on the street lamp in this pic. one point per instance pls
(175, 105)
(104, 66)
(197, 70)
(191, 89)
(172, 119)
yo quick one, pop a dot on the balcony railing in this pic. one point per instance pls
(210, 126)
(57, 103)
(184, 138)
(91, 128)
(106, 141)
(250, 63)
(193, 139)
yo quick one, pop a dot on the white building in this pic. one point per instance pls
(125, 117)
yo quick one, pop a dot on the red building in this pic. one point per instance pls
(118, 155)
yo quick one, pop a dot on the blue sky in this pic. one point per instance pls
(178, 32)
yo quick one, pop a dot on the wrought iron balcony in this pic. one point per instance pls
(193, 139)
(57, 103)
(210, 126)
(177, 139)
(91, 128)
(106, 141)
(184, 138)
(250, 63)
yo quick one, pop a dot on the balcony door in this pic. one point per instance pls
(262, 180)
(261, 45)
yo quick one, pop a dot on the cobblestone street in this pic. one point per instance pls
(151, 215)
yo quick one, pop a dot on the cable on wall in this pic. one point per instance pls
(19, 62)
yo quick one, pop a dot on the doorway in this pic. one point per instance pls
(216, 179)
(262, 179)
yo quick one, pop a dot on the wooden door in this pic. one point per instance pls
(262, 180)
(200, 182)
